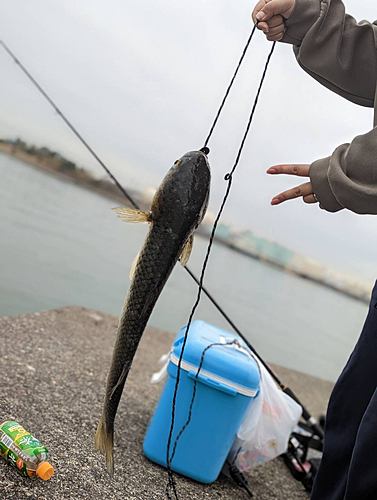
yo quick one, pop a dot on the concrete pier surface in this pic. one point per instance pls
(53, 368)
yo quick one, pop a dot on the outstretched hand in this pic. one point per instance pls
(304, 191)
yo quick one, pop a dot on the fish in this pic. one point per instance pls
(178, 207)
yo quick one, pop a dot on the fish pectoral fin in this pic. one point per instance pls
(186, 252)
(133, 267)
(132, 215)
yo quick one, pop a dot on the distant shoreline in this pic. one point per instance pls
(109, 190)
(75, 177)
(302, 275)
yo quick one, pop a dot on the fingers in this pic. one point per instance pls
(271, 15)
(263, 27)
(274, 29)
(268, 10)
(290, 169)
(273, 8)
(275, 37)
(257, 9)
(304, 190)
(273, 25)
(310, 199)
(276, 23)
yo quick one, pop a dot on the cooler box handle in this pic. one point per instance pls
(212, 383)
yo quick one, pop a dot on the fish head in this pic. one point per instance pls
(182, 198)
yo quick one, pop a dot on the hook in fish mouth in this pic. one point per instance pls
(204, 150)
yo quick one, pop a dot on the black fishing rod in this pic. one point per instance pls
(91, 151)
(317, 429)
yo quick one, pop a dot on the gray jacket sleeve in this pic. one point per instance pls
(341, 54)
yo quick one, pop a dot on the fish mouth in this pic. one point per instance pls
(205, 151)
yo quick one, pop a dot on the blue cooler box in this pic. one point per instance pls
(228, 382)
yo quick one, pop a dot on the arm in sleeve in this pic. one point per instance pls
(348, 178)
(340, 54)
(334, 49)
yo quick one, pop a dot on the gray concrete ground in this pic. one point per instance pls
(52, 376)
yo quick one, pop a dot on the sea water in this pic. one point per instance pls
(62, 245)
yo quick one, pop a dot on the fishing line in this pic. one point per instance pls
(171, 482)
(62, 116)
(127, 195)
(317, 429)
(219, 344)
(92, 152)
(230, 85)
(229, 178)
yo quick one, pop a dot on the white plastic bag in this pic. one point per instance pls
(267, 426)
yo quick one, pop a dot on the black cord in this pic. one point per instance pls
(77, 134)
(306, 414)
(92, 152)
(230, 85)
(229, 178)
(194, 393)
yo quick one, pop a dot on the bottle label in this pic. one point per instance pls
(21, 449)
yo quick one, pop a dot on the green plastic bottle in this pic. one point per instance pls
(23, 451)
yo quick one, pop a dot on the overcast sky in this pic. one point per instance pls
(142, 82)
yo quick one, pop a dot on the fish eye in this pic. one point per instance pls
(177, 162)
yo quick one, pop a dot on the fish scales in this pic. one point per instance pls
(178, 207)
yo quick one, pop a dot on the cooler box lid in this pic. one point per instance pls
(226, 364)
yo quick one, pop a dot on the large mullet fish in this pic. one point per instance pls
(178, 207)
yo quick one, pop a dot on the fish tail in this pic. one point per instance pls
(104, 442)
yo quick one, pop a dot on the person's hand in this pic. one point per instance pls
(271, 15)
(304, 191)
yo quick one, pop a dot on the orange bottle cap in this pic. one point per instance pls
(45, 471)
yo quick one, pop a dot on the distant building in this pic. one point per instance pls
(263, 248)
(306, 267)
(223, 231)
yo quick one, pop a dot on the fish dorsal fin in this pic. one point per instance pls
(133, 267)
(186, 252)
(132, 215)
